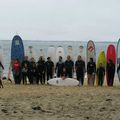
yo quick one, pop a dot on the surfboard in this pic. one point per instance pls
(51, 53)
(101, 59)
(70, 52)
(91, 51)
(60, 52)
(42, 53)
(81, 52)
(118, 56)
(17, 48)
(111, 54)
(65, 82)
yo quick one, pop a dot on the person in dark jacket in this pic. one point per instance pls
(41, 70)
(110, 72)
(69, 66)
(91, 70)
(100, 73)
(25, 70)
(49, 68)
(59, 67)
(80, 70)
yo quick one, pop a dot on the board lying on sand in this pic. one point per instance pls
(101, 59)
(61, 82)
(118, 57)
(60, 52)
(17, 48)
(111, 54)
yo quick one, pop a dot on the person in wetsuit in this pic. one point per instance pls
(49, 68)
(80, 70)
(25, 70)
(59, 67)
(110, 72)
(69, 66)
(41, 70)
(100, 73)
(91, 70)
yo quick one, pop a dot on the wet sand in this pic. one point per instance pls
(44, 102)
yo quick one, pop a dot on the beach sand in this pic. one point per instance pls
(44, 102)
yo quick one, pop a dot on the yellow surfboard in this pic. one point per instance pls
(101, 59)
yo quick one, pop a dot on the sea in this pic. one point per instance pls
(39, 47)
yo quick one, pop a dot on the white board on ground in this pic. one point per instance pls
(65, 82)
(60, 52)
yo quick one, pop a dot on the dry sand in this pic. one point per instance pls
(43, 102)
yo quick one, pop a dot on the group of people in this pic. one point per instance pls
(40, 71)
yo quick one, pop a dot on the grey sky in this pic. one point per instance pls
(82, 20)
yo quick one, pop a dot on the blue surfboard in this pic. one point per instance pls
(17, 48)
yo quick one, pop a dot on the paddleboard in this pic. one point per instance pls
(118, 57)
(51, 53)
(101, 59)
(65, 82)
(17, 49)
(111, 54)
(60, 52)
(91, 51)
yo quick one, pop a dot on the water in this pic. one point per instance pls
(38, 45)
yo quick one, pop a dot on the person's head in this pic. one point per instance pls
(40, 58)
(48, 59)
(100, 64)
(25, 65)
(16, 60)
(91, 59)
(68, 57)
(60, 58)
(79, 57)
(32, 59)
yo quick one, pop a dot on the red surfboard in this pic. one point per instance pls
(111, 55)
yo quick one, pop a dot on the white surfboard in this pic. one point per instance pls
(60, 52)
(70, 52)
(42, 53)
(51, 53)
(81, 52)
(65, 82)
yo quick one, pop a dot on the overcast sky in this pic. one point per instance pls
(81, 20)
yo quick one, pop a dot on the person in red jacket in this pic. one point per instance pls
(16, 68)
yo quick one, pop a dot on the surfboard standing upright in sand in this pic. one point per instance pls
(118, 59)
(110, 71)
(60, 52)
(101, 61)
(17, 51)
(91, 54)
(70, 52)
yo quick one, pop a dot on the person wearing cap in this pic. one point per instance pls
(49, 68)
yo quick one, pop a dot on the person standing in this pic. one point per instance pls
(69, 66)
(110, 72)
(49, 68)
(41, 70)
(25, 70)
(16, 68)
(100, 73)
(1, 72)
(59, 67)
(80, 70)
(91, 70)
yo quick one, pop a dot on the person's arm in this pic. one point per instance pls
(2, 65)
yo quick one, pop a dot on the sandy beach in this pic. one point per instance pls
(44, 102)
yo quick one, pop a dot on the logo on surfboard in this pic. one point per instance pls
(90, 49)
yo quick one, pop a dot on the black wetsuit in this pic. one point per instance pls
(59, 68)
(91, 68)
(41, 71)
(80, 70)
(49, 69)
(25, 73)
(69, 68)
(111, 73)
(100, 73)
